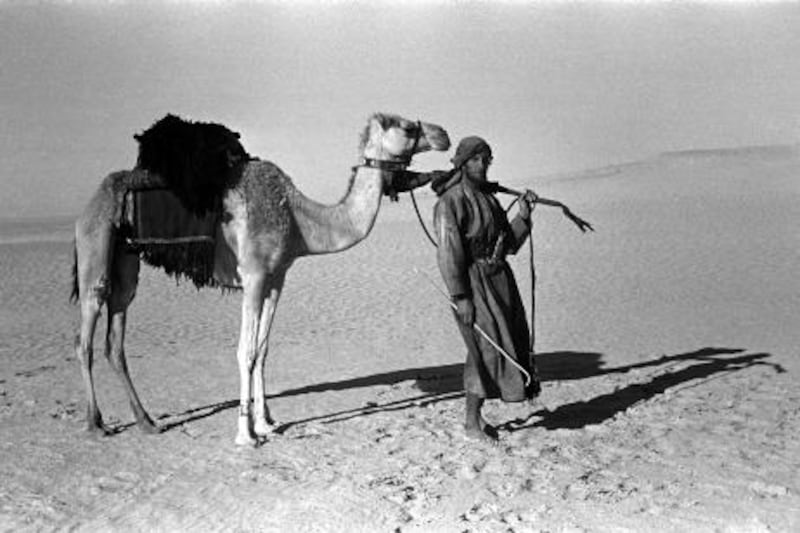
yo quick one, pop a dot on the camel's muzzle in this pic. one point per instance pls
(403, 181)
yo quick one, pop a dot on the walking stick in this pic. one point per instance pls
(477, 328)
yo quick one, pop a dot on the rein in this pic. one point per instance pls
(421, 222)
(382, 164)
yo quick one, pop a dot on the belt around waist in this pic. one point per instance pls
(489, 260)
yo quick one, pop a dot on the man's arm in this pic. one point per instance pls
(521, 224)
(452, 259)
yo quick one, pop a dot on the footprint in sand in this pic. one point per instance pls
(34, 371)
(765, 490)
(65, 411)
(481, 511)
(119, 482)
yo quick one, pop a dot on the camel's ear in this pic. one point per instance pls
(385, 121)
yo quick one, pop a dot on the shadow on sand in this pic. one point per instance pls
(442, 383)
(707, 364)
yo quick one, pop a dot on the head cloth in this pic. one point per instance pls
(468, 147)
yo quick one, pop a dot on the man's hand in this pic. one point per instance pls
(465, 310)
(526, 203)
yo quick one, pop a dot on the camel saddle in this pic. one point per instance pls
(166, 234)
(173, 226)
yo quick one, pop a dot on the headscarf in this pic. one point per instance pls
(467, 148)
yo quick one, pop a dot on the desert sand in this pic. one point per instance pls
(667, 342)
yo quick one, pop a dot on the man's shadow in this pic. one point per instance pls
(705, 364)
(444, 382)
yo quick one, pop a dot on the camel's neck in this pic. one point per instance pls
(333, 228)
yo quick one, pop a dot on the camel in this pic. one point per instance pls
(266, 224)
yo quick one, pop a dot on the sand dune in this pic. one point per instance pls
(667, 341)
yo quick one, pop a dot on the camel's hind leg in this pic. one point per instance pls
(92, 256)
(90, 311)
(125, 275)
(263, 422)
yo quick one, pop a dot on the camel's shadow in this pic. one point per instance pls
(442, 383)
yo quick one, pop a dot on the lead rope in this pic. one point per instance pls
(532, 266)
(421, 222)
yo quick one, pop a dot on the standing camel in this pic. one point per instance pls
(266, 224)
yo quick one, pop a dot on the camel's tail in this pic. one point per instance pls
(73, 298)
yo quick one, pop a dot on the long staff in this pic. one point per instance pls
(477, 328)
(578, 221)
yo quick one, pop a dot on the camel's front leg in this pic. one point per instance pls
(252, 302)
(264, 424)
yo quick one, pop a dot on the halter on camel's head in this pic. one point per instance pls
(389, 142)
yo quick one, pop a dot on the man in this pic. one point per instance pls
(474, 236)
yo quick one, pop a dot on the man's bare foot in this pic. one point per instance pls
(486, 434)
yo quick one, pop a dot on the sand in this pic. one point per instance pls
(667, 340)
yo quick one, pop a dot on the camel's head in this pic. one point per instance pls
(393, 139)
(390, 141)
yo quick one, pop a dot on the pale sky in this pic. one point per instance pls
(554, 87)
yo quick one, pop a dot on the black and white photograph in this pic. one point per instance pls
(402, 266)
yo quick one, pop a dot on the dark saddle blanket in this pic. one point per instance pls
(167, 235)
(157, 216)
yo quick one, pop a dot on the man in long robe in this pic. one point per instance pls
(474, 236)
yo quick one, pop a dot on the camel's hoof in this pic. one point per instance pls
(149, 428)
(246, 440)
(99, 430)
(266, 429)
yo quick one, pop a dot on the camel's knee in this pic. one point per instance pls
(93, 295)
(114, 355)
(100, 290)
(90, 310)
(114, 349)
(85, 353)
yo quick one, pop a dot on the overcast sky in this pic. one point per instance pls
(553, 87)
